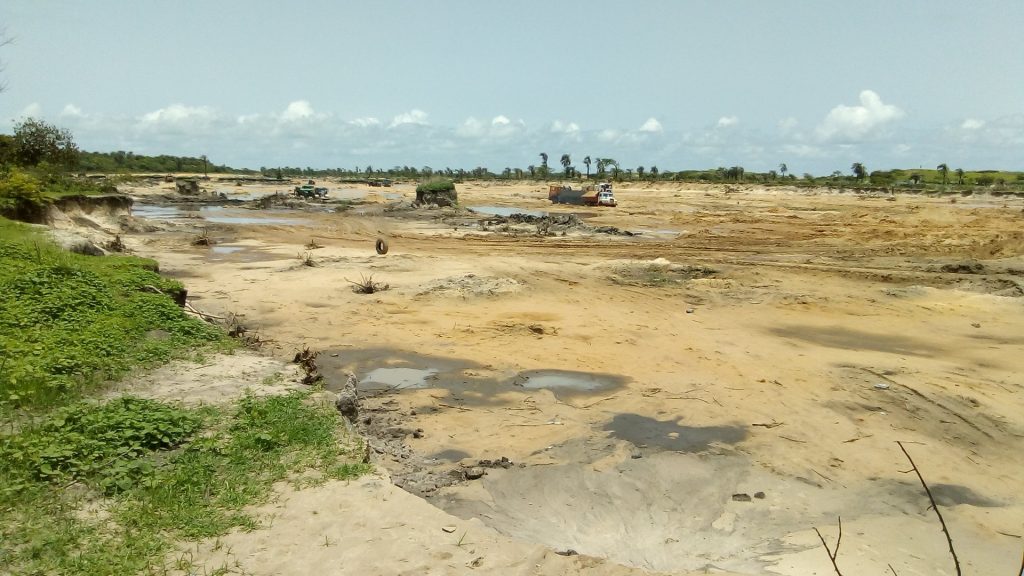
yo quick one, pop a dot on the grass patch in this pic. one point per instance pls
(112, 488)
(69, 322)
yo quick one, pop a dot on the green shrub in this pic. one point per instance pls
(436, 185)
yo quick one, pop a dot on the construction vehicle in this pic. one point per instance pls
(590, 195)
(310, 191)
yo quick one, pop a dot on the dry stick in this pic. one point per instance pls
(1022, 563)
(832, 555)
(893, 570)
(956, 561)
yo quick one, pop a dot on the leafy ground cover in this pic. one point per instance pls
(112, 486)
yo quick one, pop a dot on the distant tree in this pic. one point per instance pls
(654, 173)
(915, 178)
(859, 171)
(944, 171)
(772, 174)
(586, 161)
(640, 172)
(783, 169)
(544, 159)
(506, 173)
(278, 174)
(206, 166)
(532, 169)
(809, 177)
(960, 176)
(566, 163)
(36, 141)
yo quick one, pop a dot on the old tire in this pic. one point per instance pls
(381, 246)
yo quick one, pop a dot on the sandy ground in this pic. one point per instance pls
(697, 397)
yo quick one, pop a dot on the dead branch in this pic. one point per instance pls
(768, 425)
(949, 539)
(202, 315)
(832, 554)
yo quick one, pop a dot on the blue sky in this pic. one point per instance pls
(678, 84)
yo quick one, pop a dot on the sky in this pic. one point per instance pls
(677, 84)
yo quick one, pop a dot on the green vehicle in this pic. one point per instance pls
(310, 191)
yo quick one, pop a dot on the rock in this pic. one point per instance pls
(87, 248)
(690, 310)
(742, 497)
(475, 473)
(448, 529)
(881, 386)
(417, 434)
(635, 453)
(567, 552)
(348, 400)
(759, 495)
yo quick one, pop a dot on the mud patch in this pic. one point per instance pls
(645, 432)
(658, 272)
(851, 339)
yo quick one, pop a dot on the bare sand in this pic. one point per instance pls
(749, 341)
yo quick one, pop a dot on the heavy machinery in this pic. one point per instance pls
(590, 195)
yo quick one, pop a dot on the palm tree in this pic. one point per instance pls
(654, 173)
(566, 161)
(859, 170)
(960, 176)
(944, 170)
(544, 159)
(640, 172)
(586, 160)
(532, 169)
(783, 169)
(600, 166)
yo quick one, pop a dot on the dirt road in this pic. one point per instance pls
(698, 395)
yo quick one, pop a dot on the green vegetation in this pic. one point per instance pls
(89, 486)
(69, 322)
(111, 488)
(436, 185)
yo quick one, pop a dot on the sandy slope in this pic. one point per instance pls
(828, 330)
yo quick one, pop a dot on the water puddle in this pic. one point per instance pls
(566, 381)
(670, 435)
(399, 378)
(220, 214)
(157, 212)
(506, 211)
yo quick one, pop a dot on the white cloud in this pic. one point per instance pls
(727, 121)
(607, 135)
(651, 125)
(414, 116)
(297, 110)
(500, 121)
(71, 110)
(787, 125)
(178, 116)
(853, 123)
(973, 124)
(568, 128)
(33, 110)
(366, 122)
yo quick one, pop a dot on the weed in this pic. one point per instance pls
(367, 285)
(307, 259)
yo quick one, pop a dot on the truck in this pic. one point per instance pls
(590, 195)
(310, 191)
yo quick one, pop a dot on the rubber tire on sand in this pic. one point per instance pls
(381, 246)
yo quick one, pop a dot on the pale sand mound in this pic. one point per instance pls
(369, 527)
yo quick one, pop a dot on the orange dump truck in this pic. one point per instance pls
(592, 195)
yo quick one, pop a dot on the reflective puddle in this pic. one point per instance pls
(399, 378)
(566, 381)
(506, 211)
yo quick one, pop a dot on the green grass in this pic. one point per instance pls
(115, 486)
(160, 475)
(70, 322)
